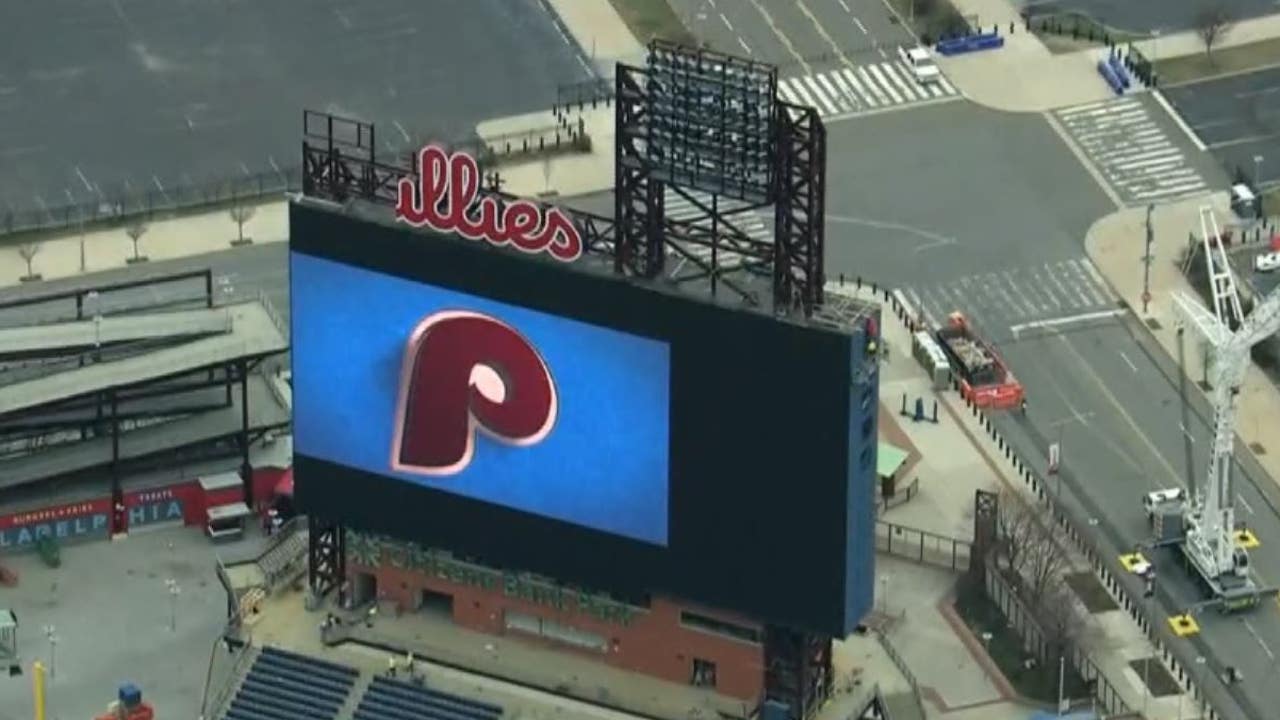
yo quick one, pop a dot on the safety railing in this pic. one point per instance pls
(923, 546)
(122, 207)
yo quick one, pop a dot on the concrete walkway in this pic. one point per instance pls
(60, 256)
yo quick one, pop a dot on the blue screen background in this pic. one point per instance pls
(603, 466)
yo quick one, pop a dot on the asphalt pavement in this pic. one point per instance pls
(967, 217)
(1141, 16)
(1238, 119)
(1114, 401)
(802, 37)
(115, 99)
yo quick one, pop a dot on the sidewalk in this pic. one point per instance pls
(965, 457)
(59, 256)
(1115, 245)
(1189, 42)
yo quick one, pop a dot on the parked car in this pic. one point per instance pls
(1267, 262)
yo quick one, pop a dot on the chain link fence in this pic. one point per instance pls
(125, 206)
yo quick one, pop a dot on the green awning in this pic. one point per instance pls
(889, 458)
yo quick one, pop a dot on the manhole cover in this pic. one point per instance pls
(1257, 448)
(1154, 324)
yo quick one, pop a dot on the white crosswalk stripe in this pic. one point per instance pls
(1000, 299)
(1135, 155)
(850, 90)
(751, 223)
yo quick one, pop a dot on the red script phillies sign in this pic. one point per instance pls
(465, 372)
(443, 200)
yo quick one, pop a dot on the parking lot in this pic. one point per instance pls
(1238, 120)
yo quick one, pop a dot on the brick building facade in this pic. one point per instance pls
(666, 639)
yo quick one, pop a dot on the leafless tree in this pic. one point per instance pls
(241, 214)
(1212, 22)
(135, 233)
(28, 252)
(1029, 550)
(1059, 616)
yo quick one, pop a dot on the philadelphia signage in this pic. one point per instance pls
(157, 506)
(443, 198)
(67, 522)
(369, 550)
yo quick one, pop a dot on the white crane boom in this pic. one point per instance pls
(1214, 508)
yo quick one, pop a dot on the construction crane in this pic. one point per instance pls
(1203, 525)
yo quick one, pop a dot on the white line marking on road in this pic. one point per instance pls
(1258, 637)
(1186, 433)
(861, 27)
(845, 5)
(1245, 505)
(1055, 322)
(156, 180)
(786, 41)
(346, 23)
(1195, 139)
(84, 179)
(883, 55)
(745, 47)
(726, 22)
(274, 166)
(1128, 362)
(403, 133)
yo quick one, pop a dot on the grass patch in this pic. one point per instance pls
(931, 19)
(1092, 594)
(1190, 68)
(1158, 679)
(1038, 682)
(649, 19)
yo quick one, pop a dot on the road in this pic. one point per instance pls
(801, 36)
(1238, 119)
(146, 96)
(1141, 17)
(962, 219)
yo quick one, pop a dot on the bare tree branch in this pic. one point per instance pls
(135, 233)
(28, 252)
(1212, 22)
(241, 214)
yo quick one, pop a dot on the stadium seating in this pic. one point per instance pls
(388, 699)
(285, 686)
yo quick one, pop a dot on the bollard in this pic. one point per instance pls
(859, 282)
(904, 404)
(935, 411)
(919, 410)
(842, 279)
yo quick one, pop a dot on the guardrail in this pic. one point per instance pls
(901, 664)
(923, 546)
(123, 206)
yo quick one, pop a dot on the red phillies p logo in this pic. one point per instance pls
(464, 372)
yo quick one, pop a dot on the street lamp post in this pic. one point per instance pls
(1201, 664)
(51, 636)
(174, 590)
(1257, 171)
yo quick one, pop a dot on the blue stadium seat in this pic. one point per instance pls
(253, 708)
(275, 678)
(275, 700)
(401, 709)
(421, 706)
(258, 684)
(318, 663)
(473, 708)
(239, 713)
(312, 670)
(323, 686)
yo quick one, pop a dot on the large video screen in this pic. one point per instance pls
(487, 400)
(607, 433)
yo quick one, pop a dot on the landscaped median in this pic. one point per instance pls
(1225, 61)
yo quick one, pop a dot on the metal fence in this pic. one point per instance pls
(124, 206)
(901, 664)
(923, 546)
(1034, 641)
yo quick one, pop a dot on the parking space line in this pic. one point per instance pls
(1195, 139)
